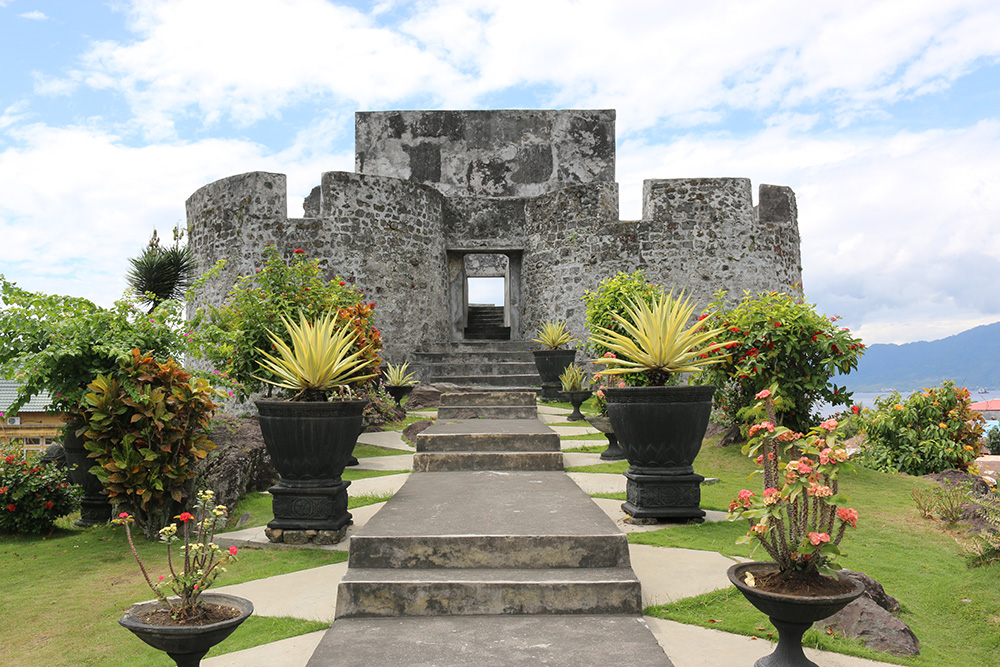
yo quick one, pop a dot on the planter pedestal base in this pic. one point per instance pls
(614, 451)
(665, 495)
(322, 508)
(788, 652)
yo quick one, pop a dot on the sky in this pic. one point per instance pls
(882, 116)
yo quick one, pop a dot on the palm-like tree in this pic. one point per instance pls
(159, 273)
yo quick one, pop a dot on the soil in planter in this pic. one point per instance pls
(208, 614)
(794, 583)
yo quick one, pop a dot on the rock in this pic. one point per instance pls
(411, 432)
(731, 436)
(238, 464)
(863, 619)
(958, 477)
(274, 534)
(295, 537)
(330, 536)
(874, 591)
(426, 396)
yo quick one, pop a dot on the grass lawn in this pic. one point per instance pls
(585, 436)
(366, 451)
(954, 611)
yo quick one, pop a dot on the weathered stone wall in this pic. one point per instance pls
(503, 153)
(406, 243)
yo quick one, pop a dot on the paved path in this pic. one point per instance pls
(312, 594)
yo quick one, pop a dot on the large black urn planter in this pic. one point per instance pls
(660, 430)
(576, 399)
(95, 509)
(310, 443)
(550, 365)
(792, 615)
(186, 644)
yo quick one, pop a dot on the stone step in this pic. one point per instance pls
(478, 346)
(467, 461)
(514, 641)
(366, 592)
(477, 366)
(487, 380)
(487, 333)
(488, 435)
(487, 412)
(476, 356)
(492, 398)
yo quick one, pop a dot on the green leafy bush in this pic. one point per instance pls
(985, 548)
(32, 495)
(605, 306)
(145, 430)
(59, 344)
(779, 339)
(230, 336)
(993, 441)
(931, 431)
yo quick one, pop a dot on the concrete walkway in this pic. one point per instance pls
(666, 574)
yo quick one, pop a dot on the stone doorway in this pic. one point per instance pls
(477, 276)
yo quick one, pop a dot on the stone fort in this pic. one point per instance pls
(441, 197)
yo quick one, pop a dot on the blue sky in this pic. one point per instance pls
(884, 117)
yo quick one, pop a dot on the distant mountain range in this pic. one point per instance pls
(971, 359)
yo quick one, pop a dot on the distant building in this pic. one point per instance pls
(34, 428)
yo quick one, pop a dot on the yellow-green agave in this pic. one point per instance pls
(553, 334)
(319, 360)
(660, 340)
(398, 375)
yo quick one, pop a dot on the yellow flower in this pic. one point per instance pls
(943, 425)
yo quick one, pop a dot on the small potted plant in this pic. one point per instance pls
(184, 620)
(600, 421)
(553, 360)
(659, 427)
(399, 381)
(574, 391)
(798, 521)
(311, 435)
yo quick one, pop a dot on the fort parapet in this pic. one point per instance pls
(435, 191)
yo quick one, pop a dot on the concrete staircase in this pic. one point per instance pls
(489, 554)
(485, 323)
(479, 363)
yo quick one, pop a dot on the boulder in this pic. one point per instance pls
(411, 432)
(238, 464)
(874, 591)
(865, 620)
(428, 396)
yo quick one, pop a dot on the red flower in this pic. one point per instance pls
(342, 283)
(184, 517)
(11, 508)
(48, 505)
(298, 251)
(856, 409)
(10, 458)
(777, 324)
(232, 550)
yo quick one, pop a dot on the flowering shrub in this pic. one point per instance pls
(931, 431)
(145, 432)
(231, 336)
(608, 302)
(797, 519)
(203, 560)
(779, 339)
(32, 495)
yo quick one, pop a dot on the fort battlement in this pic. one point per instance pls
(535, 188)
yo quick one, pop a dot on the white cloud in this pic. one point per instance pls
(34, 16)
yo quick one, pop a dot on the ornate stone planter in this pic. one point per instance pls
(660, 430)
(310, 444)
(792, 615)
(94, 506)
(576, 399)
(613, 452)
(186, 644)
(398, 392)
(550, 365)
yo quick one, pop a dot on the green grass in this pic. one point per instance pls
(585, 436)
(589, 407)
(588, 449)
(614, 468)
(61, 596)
(352, 475)
(411, 417)
(954, 611)
(366, 451)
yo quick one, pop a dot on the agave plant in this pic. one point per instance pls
(553, 334)
(398, 375)
(660, 342)
(573, 378)
(319, 361)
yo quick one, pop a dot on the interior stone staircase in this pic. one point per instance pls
(485, 323)
(478, 363)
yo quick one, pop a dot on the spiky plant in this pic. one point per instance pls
(398, 375)
(986, 546)
(319, 361)
(160, 274)
(660, 340)
(573, 378)
(553, 335)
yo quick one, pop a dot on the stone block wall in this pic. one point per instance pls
(505, 153)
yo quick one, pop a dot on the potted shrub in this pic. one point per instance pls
(573, 389)
(798, 521)
(553, 360)
(184, 621)
(398, 381)
(309, 436)
(659, 427)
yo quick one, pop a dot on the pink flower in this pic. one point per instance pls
(184, 517)
(848, 515)
(829, 425)
(123, 515)
(824, 456)
(610, 355)
(763, 393)
(161, 577)
(600, 393)
(621, 384)
(817, 539)
(819, 491)
(232, 550)
(771, 496)
(744, 498)
(768, 426)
